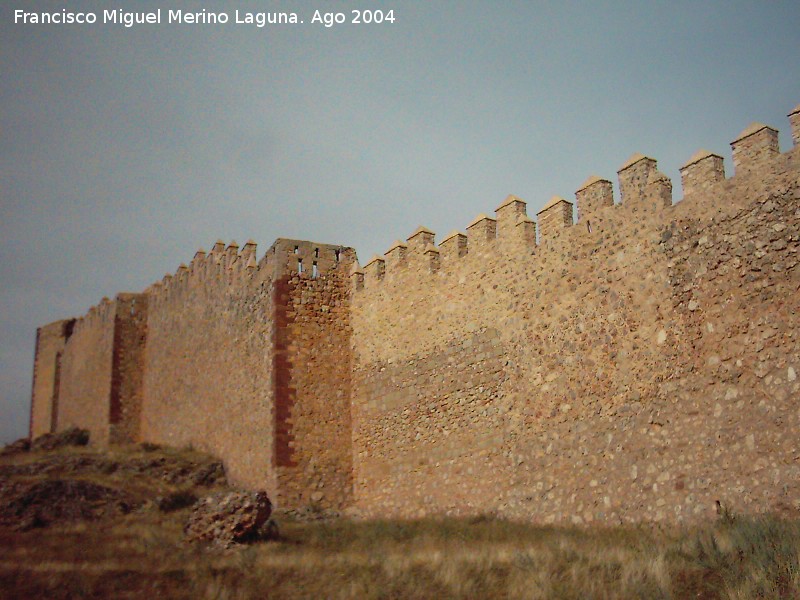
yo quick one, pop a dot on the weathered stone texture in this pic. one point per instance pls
(756, 144)
(633, 178)
(702, 171)
(315, 337)
(566, 332)
(97, 380)
(228, 518)
(246, 362)
(509, 214)
(603, 405)
(481, 234)
(637, 366)
(208, 377)
(428, 427)
(554, 217)
(594, 195)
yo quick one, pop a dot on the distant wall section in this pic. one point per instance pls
(50, 342)
(84, 400)
(248, 360)
(88, 372)
(208, 372)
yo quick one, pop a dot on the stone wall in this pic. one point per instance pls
(597, 408)
(208, 371)
(127, 368)
(246, 359)
(429, 426)
(85, 374)
(638, 364)
(735, 279)
(313, 338)
(706, 429)
(458, 370)
(88, 372)
(50, 341)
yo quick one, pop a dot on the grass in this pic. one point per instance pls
(142, 555)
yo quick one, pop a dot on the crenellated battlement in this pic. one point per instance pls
(635, 177)
(490, 371)
(756, 144)
(231, 268)
(453, 246)
(481, 233)
(554, 217)
(644, 193)
(621, 343)
(794, 121)
(702, 171)
(102, 312)
(594, 195)
(397, 255)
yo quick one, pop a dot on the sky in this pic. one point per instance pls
(124, 150)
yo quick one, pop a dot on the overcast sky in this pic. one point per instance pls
(124, 150)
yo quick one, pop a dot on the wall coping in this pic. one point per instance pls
(375, 258)
(452, 234)
(397, 244)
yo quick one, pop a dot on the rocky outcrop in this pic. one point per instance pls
(69, 437)
(21, 445)
(62, 500)
(74, 483)
(49, 441)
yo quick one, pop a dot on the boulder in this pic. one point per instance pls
(228, 518)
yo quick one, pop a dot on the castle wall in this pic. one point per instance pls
(249, 361)
(592, 410)
(429, 427)
(208, 371)
(85, 374)
(735, 280)
(127, 368)
(458, 368)
(313, 366)
(638, 365)
(50, 341)
(701, 432)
